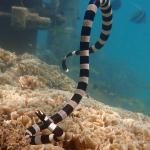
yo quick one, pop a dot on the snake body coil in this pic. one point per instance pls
(51, 121)
(104, 35)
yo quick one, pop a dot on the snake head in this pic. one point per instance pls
(41, 115)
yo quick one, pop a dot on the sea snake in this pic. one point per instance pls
(106, 28)
(50, 122)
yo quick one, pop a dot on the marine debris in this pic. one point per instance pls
(22, 18)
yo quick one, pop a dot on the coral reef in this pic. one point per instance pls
(92, 126)
(20, 70)
(7, 58)
(30, 82)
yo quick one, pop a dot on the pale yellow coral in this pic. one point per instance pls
(25, 120)
(30, 82)
(14, 115)
(46, 147)
(7, 57)
(146, 146)
(13, 67)
(92, 126)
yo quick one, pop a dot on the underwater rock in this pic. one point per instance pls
(116, 4)
(139, 16)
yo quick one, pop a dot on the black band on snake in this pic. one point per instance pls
(106, 28)
(50, 122)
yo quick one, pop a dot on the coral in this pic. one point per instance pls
(49, 75)
(31, 72)
(47, 147)
(7, 57)
(92, 126)
(30, 82)
(12, 139)
(106, 129)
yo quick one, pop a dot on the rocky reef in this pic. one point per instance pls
(27, 83)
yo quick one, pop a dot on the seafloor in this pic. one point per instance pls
(27, 83)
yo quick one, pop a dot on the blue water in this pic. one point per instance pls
(126, 52)
(122, 65)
